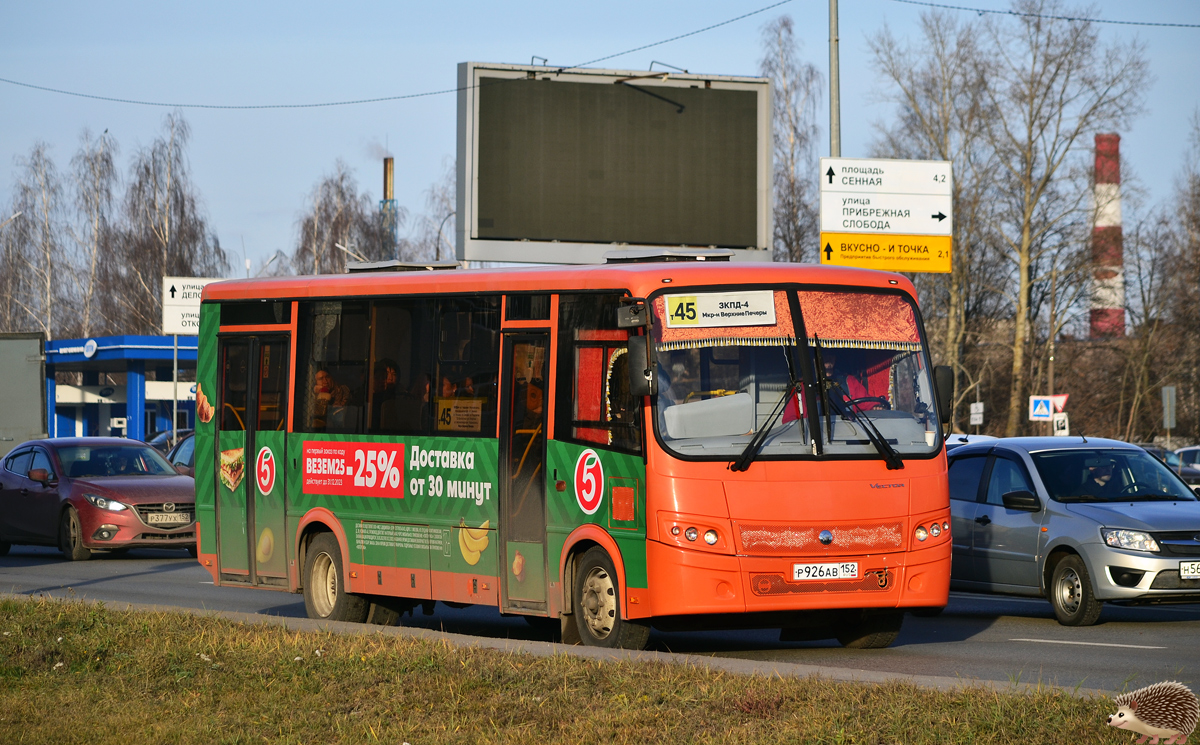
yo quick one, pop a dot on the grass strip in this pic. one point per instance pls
(73, 672)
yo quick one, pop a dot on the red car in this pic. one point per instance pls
(88, 493)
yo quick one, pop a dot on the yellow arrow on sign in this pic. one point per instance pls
(892, 253)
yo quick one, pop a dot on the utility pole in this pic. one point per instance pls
(1053, 331)
(835, 102)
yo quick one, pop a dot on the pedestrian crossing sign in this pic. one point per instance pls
(1041, 409)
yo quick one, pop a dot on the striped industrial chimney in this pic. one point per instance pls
(1108, 253)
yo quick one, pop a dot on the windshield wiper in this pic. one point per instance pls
(747, 457)
(760, 437)
(838, 401)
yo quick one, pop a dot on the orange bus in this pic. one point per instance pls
(677, 444)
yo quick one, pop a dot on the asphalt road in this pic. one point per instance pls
(978, 637)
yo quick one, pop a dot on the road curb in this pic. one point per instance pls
(549, 649)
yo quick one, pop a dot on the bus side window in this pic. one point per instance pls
(594, 403)
(331, 389)
(433, 366)
(468, 360)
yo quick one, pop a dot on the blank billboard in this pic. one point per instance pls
(561, 167)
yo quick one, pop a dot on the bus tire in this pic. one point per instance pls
(872, 630)
(383, 613)
(551, 627)
(569, 630)
(597, 605)
(70, 537)
(325, 595)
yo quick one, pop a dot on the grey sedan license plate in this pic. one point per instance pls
(169, 518)
(1189, 570)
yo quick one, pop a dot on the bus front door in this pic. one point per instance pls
(251, 540)
(522, 529)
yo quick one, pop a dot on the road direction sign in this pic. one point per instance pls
(886, 176)
(891, 253)
(911, 214)
(181, 304)
(886, 214)
(1041, 409)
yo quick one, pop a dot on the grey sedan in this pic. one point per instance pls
(1078, 521)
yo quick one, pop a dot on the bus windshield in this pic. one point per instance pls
(726, 359)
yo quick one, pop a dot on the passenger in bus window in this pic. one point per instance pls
(412, 407)
(448, 387)
(465, 389)
(483, 386)
(383, 394)
(327, 392)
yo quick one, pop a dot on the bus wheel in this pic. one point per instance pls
(325, 597)
(597, 604)
(871, 630)
(383, 612)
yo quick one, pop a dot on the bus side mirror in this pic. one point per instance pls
(642, 380)
(943, 388)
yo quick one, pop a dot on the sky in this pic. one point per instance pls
(255, 168)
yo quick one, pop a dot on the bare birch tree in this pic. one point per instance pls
(936, 86)
(434, 240)
(163, 232)
(341, 225)
(1053, 84)
(1150, 261)
(95, 179)
(34, 251)
(796, 94)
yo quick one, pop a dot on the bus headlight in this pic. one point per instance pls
(922, 534)
(935, 530)
(711, 537)
(690, 534)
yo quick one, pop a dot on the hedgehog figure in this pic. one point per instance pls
(1163, 710)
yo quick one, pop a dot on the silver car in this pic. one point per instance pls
(1078, 521)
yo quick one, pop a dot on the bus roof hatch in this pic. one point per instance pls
(648, 255)
(354, 267)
